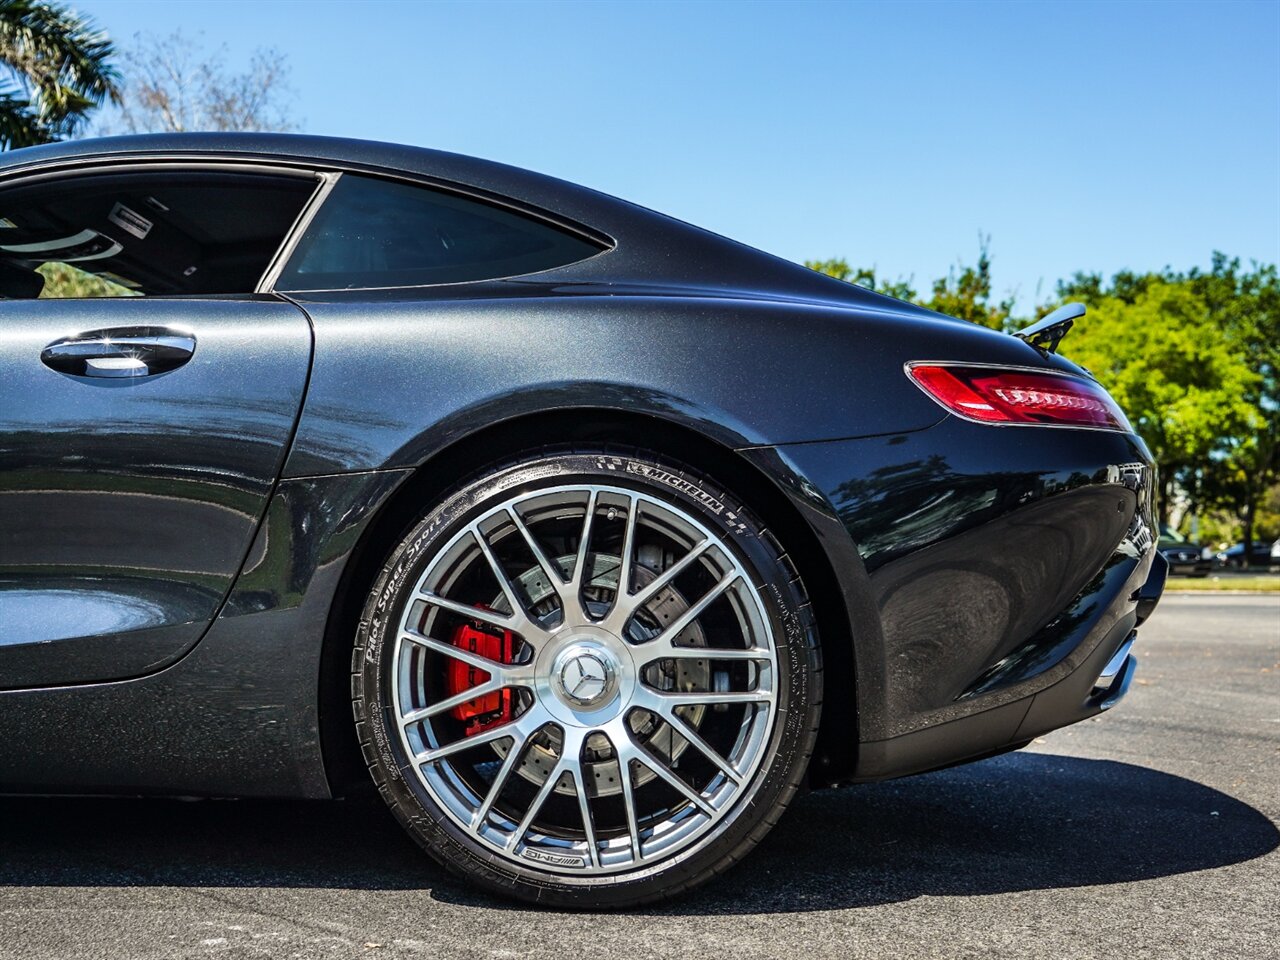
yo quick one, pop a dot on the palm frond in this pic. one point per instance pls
(61, 60)
(20, 125)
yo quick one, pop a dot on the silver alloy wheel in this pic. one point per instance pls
(617, 670)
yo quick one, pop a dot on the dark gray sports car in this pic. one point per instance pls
(591, 536)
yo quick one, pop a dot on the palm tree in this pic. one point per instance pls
(60, 69)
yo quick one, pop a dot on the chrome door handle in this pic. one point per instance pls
(120, 352)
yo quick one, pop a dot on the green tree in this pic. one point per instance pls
(1182, 378)
(62, 280)
(1245, 303)
(1237, 312)
(863, 277)
(967, 294)
(59, 70)
(1125, 285)
(1268, 514)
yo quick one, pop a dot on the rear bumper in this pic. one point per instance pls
(1098, 683)
(993, 576)
(1103, 678)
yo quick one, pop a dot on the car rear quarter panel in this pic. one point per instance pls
(397, 379)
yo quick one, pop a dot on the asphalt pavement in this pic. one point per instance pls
(1148, 832)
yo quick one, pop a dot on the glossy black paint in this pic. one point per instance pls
(237, 716)
(457, 361)
(986, 581)
(981, 575)
(127, 506)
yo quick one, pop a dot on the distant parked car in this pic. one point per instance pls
(1260, 555)
(1183, 555)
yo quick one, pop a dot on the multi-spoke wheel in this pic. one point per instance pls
(588, 679)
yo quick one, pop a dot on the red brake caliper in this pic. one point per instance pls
(490, 709)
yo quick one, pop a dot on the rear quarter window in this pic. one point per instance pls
(380, 233)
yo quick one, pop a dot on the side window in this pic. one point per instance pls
(379, 233)
(132, 234)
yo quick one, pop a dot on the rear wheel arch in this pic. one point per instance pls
(344, 764)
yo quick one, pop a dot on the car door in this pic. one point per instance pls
(144, 420)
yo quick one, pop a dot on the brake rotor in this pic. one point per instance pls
(601, 765)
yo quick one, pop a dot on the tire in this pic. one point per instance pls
(707, 696)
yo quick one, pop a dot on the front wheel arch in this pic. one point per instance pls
(836, 751)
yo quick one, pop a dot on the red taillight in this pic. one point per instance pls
(1014, 396)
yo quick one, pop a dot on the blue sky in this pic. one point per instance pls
(1094, 136)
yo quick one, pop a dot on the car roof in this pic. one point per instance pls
(654, 249)
(486, 175)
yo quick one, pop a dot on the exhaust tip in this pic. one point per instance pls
(1113, 683)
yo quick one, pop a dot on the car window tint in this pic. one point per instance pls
(379, 233)
(139, 233)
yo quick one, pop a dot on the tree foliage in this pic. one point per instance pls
(1177, 373)
(1233, 390)
(863, 277)
(62, 280)
(173, 85)
(59, 68)
(967, 293)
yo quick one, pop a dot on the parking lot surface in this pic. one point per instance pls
(1147, 832)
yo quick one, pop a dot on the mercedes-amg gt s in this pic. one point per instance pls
(589, 536)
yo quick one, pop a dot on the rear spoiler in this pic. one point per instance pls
(1047, 332)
